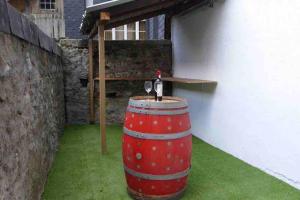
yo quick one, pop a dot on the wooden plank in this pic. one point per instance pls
(91, 84)
(138, 15)
(188, 80)
(94, 30)
(133, 6)
(125, 79)
(187, 6)
(129, 12)
(169, 79)
(168, 24)
(91, 19)
(104, 16)
(138, 10)
(102, 92)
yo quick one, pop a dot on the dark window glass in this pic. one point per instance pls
(43, 6)
(47, 4)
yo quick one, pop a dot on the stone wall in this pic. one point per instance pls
(31, 117)
(123, 59)
(31, 106)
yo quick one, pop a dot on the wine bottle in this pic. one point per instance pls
(158, 86)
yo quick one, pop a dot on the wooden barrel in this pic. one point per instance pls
(157, 147)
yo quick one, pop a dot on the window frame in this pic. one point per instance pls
(125, 30)
(51, 3)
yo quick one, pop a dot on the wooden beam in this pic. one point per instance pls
(91, 84)
(138, 10)
(141, 14)
(188, 80)
(94, 30)
(102, 91)
(186, 7)
(104, 16)
(168, 21)
(134, 6)
(167, 79)
(133, 12)
(126, 79)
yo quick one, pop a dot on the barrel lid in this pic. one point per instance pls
(149, 102)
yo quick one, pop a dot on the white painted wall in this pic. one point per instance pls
(252, 48)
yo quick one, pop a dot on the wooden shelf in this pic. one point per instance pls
(187, 80)
(124, 79)
(169, 79)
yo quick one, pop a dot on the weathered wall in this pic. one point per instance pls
(31, 106)
(31, 117)
(252, 49)
(123, 59)
(52, 24)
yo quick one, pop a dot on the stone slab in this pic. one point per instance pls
(15, 22)
(56, 49)
(4, 18)
(26, 29)
(45, 41)
(34, 33)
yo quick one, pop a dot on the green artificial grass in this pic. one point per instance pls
(81, 172)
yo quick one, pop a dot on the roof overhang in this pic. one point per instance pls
(105, 5)
(128, 11)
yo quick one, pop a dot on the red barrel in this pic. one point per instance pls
(157, 147)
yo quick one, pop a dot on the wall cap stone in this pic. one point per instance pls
(15, 23)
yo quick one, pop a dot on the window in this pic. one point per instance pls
(120, 33)
(47, 4)
(142, 30)
(133, 31)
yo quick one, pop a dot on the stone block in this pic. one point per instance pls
(27, 33)
(4, 18)
(44, 41)
(34, 33)
(15, 22)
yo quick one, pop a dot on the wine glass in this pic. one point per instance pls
(148, 86)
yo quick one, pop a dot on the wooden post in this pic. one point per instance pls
(91, 84)
(102, 111)
(168, 19)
